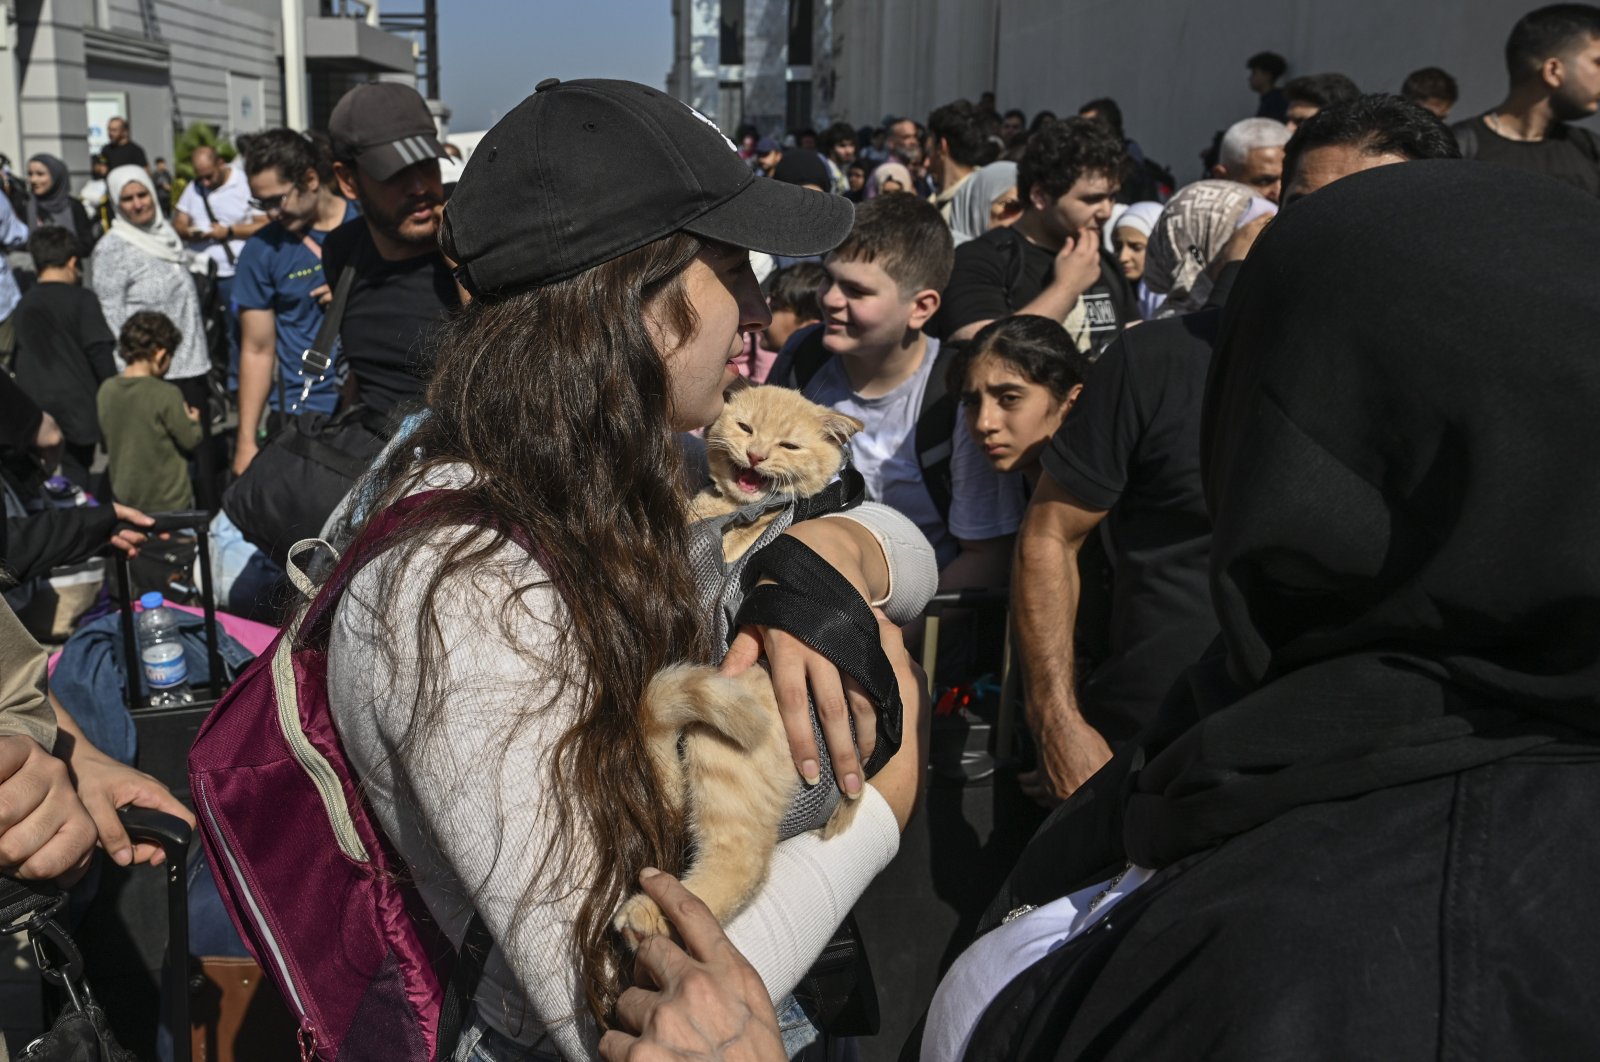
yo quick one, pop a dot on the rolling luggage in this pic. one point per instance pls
(127, 951)
(82, 1028)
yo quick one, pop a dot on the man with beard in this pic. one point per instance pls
(386, 157)
(1553, 58)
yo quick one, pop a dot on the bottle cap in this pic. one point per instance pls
(151, 600)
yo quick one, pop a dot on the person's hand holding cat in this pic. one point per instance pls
(798, 669)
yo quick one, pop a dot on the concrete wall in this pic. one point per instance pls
(50, 57)
(908, 56)
(1175, 66)
(209, 39)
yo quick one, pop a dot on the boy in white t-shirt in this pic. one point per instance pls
(883, 285)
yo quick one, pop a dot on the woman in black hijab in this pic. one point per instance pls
(1364, 823)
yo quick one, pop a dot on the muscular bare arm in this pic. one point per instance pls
(1044, 603)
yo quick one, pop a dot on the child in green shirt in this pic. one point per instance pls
(149, 429)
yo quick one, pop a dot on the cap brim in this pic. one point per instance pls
(783, 219)
(385, 160)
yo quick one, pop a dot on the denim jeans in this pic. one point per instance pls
(480, 1043)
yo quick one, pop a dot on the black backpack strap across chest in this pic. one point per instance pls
(935, 432)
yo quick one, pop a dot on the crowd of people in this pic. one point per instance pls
(1283, 474)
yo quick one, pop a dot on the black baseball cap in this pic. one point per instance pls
(385, 127)
(583, 171)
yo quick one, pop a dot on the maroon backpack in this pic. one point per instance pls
(310, 881)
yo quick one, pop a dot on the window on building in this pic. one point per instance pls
(799, 109)
(731, 51)
(730, 106)
(801, 28)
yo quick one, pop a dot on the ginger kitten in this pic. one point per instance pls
(717, 742)
(769, 441)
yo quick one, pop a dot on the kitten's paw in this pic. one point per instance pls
(640, 918)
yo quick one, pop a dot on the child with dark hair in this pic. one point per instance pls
(1017, 379)
(64, 347)
(149, 429)
(795, 299)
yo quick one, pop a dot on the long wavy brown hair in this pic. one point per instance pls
(558, 400)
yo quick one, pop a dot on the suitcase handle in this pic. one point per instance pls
(169, 831)
(173, 835)
(179, 520)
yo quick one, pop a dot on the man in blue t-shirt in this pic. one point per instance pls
(280, 289)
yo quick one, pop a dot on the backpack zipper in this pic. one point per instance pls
(257, 919)
(311, 761)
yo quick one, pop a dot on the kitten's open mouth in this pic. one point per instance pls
(752, 482)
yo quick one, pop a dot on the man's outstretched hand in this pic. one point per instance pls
(702, 1000)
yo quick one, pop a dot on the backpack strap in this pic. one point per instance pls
(819, 606)
(936, 426)
(803, 357)
(1009, 244)
(383, 530)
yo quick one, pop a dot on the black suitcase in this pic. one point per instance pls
(125, 949)
(166, 733)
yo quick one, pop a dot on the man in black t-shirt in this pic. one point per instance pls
(1129, 455)
(386, 157)
(120, 150)
(1553, 59)
(1049, 263)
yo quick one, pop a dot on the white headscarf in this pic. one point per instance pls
(969, 209)
(158, 239)
(889, 171)
(1140, 216)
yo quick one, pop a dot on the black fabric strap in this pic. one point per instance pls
(457, 1002)
(843, 494)
(819, 606)
(335, 316)
(205, 198)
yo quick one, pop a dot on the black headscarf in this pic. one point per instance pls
(1400, 441)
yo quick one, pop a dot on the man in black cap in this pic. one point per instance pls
(768, 154)
(386, 157)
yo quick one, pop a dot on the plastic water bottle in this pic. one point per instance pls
(161, 652)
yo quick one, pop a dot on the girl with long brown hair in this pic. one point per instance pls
(486, 672)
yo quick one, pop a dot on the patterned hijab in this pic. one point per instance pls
(1192, 231)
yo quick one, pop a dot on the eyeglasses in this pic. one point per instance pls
(270, 205)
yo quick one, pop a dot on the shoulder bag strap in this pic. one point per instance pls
(329, 332)
(317, 359)
(205, 200)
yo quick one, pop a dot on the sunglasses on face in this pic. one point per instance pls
(270, 205)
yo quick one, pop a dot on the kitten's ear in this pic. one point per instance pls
(838, 427)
